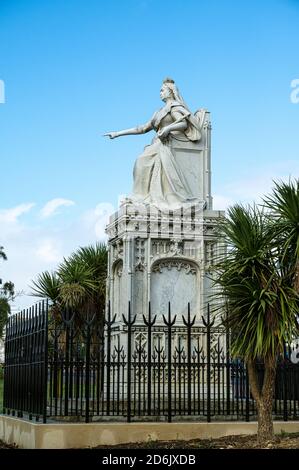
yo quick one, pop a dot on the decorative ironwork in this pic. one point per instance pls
(69, 367)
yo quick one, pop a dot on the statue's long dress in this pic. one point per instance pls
(158, 179)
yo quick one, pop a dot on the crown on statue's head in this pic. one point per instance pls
(168, 80)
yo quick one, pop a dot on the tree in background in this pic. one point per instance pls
(7, 294)
(79, 284)
(2, 253)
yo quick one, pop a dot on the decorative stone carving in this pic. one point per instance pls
(119, 271)
(118, 249)
(139, 255)
(176, 247)
(209, 253)
(173, 247)
(117, 287)
(140, 340)
(179, 265)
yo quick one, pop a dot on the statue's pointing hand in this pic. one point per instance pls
(111, 135)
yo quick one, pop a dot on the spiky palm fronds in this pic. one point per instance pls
(47, 285)
(79, 282)
(284, 212)
(261, 304)
(95, 257)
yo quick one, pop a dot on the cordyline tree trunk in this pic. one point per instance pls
(263, 396)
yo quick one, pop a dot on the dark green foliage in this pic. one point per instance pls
(79, 282)
(7, 293)
(284, 216)
(262, 304)
(4, 312)
(258, 278)
(46, 286)
(2, 253)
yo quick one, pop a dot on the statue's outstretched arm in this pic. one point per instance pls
(134, 130)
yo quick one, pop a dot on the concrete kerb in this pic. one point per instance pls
(28, 435)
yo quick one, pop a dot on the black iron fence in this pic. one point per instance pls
(25, 365)
(139, 368)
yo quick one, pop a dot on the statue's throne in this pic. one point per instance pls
(194, 158)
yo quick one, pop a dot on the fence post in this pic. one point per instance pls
(189, 325)
(228, 367)
(89, 321)
(149, 323)
(108, 323)
(38, 345)
(169, 324)
(285, 377)
(66, 370)
(6, 347)
(208, 324)
(68, 319)
(129, 324)
(45, 310)
(87, 373)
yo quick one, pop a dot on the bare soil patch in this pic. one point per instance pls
(7, 446)
(281, 441)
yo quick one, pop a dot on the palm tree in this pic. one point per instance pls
(284, 206)
(94, 258)
(78, 284)
(47, 286)
(261, 304)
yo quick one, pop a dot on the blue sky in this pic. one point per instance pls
(74, 69)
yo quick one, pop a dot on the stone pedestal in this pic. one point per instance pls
(160, 257)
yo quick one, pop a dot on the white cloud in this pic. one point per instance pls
(102, 213)
(33, 246)
(252, 188)
(52, 206)
(96, 219)
(48, 251)
(221, 203)
(11, 215)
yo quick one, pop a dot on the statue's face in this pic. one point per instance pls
(165, 92)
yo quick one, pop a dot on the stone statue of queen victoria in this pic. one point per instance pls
(159, 178)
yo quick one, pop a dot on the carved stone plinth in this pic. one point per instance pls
(160, 257)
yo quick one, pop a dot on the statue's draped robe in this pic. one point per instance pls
(158, 179)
